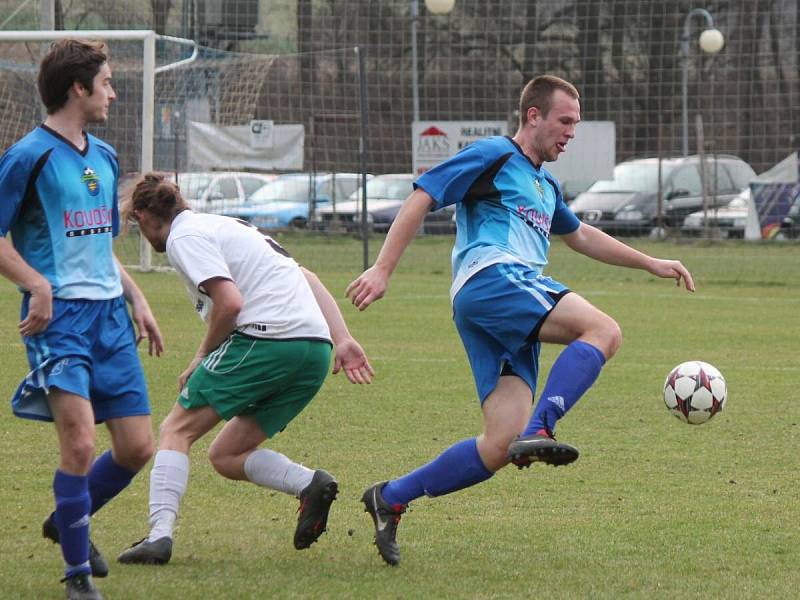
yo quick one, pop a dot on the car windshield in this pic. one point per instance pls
(193, 185)
(632, 177)
(389, 188)
(292, 190)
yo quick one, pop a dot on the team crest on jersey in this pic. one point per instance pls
(91, 180)
(539, 188)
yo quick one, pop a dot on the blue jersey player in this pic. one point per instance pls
(507, 206)
(58, 199)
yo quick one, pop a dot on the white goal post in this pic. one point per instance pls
(149, 71)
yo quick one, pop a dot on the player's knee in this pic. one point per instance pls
(613, 337)
(136, 455)
(79, 453)
(494, 451)
(608, 334)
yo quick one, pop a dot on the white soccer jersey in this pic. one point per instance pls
(277, 300)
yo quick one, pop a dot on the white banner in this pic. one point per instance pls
(590, 155)
(435, 141)
(262, 134)
(231, 147)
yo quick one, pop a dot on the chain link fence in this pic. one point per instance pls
(625, 56)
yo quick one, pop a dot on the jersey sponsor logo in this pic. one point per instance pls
(538, 220)
(91, 180)
(88, 222)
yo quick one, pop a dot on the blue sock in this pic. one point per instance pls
(106, 480)
(72, 519)
(456, 468)
(574, 372)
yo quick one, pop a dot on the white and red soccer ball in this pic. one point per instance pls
(695, 391)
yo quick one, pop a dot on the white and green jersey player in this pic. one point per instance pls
(265, 354)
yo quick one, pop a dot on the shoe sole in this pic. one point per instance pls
(556, 455)
(312, 532)
(143, 561)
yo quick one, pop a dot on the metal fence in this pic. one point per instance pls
(637, 63)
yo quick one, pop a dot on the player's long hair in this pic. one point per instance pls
(154, 193)
(69, 61)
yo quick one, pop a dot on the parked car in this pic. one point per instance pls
(287, 201)
(220, 192)
(730, 221)
(726, 222)
(385, 195)
(628, 204)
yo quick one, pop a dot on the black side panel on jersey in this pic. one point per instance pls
(483, 187)
(31, 204)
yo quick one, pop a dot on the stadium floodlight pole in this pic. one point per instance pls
(711, 42)
(436, 7)
(414, 61)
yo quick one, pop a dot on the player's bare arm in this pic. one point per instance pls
(349, 355)
(40, 307)
(146, 324)
(592, 242)
(227, 303)
(371, 284)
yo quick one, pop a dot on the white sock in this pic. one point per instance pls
(275, 471)
(168, 480)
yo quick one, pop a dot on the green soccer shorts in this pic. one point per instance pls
(269, 380)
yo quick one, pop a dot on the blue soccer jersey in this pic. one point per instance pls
(506, 208)
(60, 205)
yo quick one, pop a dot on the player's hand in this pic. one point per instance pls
(184, 377)
(40, 310)
(148, 329)
(369, 286)
(672, 269)
(350, 357)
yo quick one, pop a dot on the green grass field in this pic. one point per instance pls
(653, 509)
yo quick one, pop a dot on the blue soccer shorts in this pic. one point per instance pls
(88, 349)
(498, 313)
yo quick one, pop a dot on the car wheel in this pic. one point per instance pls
(297, 223)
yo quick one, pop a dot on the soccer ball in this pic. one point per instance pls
(695, 391)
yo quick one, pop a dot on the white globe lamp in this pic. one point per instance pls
(711, 41)
(440, 7)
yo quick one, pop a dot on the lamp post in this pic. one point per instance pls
(436, 7)
(711, 41)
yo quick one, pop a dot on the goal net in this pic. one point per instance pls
(224, 123)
